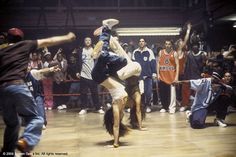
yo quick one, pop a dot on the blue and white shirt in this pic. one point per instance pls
(204, 94)
(147, 61)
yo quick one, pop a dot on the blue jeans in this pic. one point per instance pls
(198, 118)
(18, 100)
(147, 96)
(41, 110)
(74, 89)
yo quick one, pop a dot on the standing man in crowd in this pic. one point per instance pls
(168, 72)
(86, 81)
(16, 98)
(194, 68)
(145, 57)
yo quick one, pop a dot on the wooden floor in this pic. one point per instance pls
(167, 136)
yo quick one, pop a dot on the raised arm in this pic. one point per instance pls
(157, 66)
(56, 40)
(39, 74)
(186, 35)
(177, 66)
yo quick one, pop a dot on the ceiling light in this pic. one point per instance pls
(149, 31)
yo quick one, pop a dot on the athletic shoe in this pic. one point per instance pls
(188, 113)
(148, 110)
(163, 110)
(220, 122)
(100, 111)
(82, 112)
(128, 110)
(64, 106)
(172, 111)
(98, 31)
(49, 108)
(110, 23)
(23, 147)
(60, 107)
(108, 105)
(44, 127)
(182, 109)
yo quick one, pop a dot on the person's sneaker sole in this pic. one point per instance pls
(110, 23)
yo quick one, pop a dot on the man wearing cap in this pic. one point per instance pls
(207, 92)
(16, 98)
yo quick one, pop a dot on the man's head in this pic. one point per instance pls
(178, 43)
(59, 57)
(87, 42)
(142, 43)
(48, 56)
(168, 46)
(34, 56)
(195, 47)
(216, 77)
(227, 78)
(14, 35)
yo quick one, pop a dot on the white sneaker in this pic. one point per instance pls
(163, 110)
(108, 105)
(49, 108)
(128, 110)
(188, 113)
(172, 111)
(148, 110)
(101, 111)
(110, 23)
(60, 108)
(64, 106)
(182, 109)
(83, 111)
(220, 122)
(44, 127)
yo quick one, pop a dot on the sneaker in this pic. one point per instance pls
(64, 106)
(108, 105)
(110, 23)
(83, 111)
(98, 31)
(163, 110)
(100, 111)
(60, 108)
(148, 110)
(128, 110)
(188, 113)
(182, 109)
(220, 122)
(172, 111)
(49, 108)
(23, 147)
(44, 127)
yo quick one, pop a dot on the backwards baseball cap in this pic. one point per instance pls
(47, 53)
(216, 75)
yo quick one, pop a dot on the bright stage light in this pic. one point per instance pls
(149, 31)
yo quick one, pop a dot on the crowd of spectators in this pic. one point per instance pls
(73, 87)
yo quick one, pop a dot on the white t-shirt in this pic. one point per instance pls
(87, 63)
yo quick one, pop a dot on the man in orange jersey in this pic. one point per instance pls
(167, 72)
